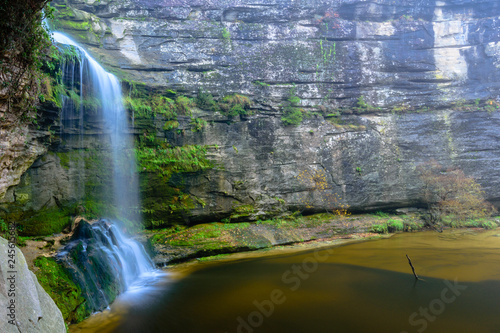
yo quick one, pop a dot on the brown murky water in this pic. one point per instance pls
(363, 287)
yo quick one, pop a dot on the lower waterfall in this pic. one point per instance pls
(104, 262)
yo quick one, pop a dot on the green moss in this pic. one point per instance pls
(169, 160)
(46, 222)
(226, 35)
(91, 105)
(261, 84)
(242, 211)
(292, 115)
(72, 25)
(139, 106)
(165, 106)
(64, 159)
(210, 236)
(65, 293)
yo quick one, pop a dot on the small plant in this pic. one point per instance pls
(206, 101)
(363, 106)
(198, 124)
(226, 35)
(359, 171)
(234, 105)
(184, 105)
(381, 214)
(171, 124)
(292, 114)
(395, 225)
(379, 228)
(261, 84)
(491, 105)
(4, 228)
(489, 225)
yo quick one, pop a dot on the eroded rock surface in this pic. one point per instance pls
(395, 54)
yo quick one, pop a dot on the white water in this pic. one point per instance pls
(103, 258)
(106, 87)
(104, 244)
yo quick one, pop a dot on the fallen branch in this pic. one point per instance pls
(412, 268)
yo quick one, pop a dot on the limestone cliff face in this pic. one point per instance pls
(395, 54)
(434, 64)
(369, 163)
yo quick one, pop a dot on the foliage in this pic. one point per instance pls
(171, 124)
(363, 106)
(449, 192)
(292, 114)
(206, 101)
(164, 106)
(23, 41)
(261, 84)
(197, 124)
(226, 34)
(233, 105)
(60, 287)
(4, 228)
(316, 182)
(149, 106)
(140, 107)
(489, 225)
(184, 105)
(395, 225)
(379, 228)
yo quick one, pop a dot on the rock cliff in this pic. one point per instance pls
(395, 54)
(387, 86)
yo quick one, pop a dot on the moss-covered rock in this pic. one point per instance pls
(61, 288)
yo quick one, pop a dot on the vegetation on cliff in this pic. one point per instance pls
(23, 43)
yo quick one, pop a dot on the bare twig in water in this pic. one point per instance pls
(412, 268)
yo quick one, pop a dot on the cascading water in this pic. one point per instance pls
(99, 257)
(103, 262)
(106, 89)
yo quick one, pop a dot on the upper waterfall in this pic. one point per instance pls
(106, 88)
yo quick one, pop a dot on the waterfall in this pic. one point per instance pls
(99, 257)
(106, 88)
(104, 262)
